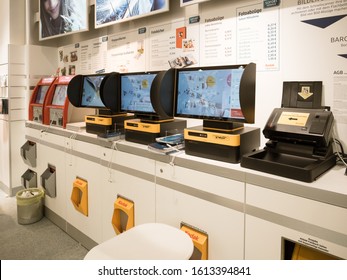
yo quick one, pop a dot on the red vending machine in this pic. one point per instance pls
(38, 97)
(56, 104)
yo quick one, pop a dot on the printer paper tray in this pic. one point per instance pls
(286, 165)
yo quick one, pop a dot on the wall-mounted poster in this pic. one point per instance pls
(62, 17)
(191, 2)
(109, 12)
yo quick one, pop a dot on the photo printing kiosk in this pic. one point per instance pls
(300, 144)
(224, 97)
(150, 97)
(57, 108)
(89, 91)
(37, 100)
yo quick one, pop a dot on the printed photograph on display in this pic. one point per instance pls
(182, 61)
(109, 12)
(186, 45)
(62, 17)
(68, 60)
(191, 2)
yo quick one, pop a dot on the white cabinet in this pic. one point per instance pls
(82, 160)
(210, 203)
(131, 177)
(273, 217)
(245, 214)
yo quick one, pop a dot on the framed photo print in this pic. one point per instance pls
(109, 12)
(62, 17)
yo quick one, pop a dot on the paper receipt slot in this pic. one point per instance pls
(299, 145)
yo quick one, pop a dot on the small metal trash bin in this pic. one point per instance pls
(29, 205)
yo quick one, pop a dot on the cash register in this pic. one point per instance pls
(300, 144)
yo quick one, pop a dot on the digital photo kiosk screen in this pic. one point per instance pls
(41, 93)
(59, 95)
(209, 93)
(135, 92)
(91, 91)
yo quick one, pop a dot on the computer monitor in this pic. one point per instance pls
(59, 96)
(91, 91)
(41, 93)
(135, 93)
(218, 93)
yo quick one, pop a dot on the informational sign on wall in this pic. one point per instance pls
(258, 36)
(99, 54)
(173, 45)
(126, 52)
(320, 48)
(217, 37)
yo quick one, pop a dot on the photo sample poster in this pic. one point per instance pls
(62, 17)
(109, 12)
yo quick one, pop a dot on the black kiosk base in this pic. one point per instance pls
(143, 132)
(219, 145)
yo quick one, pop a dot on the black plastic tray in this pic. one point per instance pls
(290, 166)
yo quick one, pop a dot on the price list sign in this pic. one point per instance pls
(86, 57)
(217, 39)
(272, 42)
(162, 46)
(173, 45)
(258, 36)
(99, 54)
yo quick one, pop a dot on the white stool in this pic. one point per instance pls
(151, 241)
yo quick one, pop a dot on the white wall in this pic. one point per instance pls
(17, 22)
(12, 65)
(4, 30)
